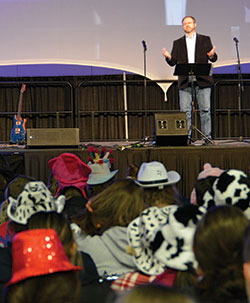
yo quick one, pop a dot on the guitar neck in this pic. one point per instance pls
(20, 103)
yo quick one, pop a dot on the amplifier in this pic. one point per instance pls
(171, 129)
(52, 137)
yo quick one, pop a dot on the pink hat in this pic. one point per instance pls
(38, 252)
(69, 170)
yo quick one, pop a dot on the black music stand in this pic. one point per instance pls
(192, 70)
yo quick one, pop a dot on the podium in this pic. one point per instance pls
(193, 69)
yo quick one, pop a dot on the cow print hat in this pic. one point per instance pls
(163, 237)
(34, 198)
(232, 188)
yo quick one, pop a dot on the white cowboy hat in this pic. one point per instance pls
(155, 174)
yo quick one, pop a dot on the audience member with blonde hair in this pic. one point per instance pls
(104, 227)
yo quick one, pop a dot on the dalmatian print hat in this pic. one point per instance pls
(163, 237)
(232, 188)
(35, 197)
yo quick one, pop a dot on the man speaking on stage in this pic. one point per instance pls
(194, 48)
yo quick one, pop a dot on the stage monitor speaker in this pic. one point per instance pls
(171, 129)
(38, 137)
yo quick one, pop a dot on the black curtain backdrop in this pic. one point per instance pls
(96, 105)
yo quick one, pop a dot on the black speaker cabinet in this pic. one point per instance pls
(171, 129)
(38, 137)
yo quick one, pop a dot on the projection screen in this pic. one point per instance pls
(109, 33)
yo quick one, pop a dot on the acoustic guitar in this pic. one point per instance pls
(18, 133)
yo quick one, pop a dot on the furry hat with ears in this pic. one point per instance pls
(34, 198)
(231, 188)
(162, 238)
(208, 171)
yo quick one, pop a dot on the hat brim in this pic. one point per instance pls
(95, 179)
(173, 177)
(27, 273)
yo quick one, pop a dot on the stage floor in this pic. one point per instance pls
(187, 160)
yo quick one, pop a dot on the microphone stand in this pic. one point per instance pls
(240, 88)
(145, 90)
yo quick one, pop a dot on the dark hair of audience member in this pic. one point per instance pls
(70, 192)
(117, 205)
(132, 171)
(16, 186)
(246, 248)
(58, 287)
(75, 202)
(201, 186)
(153, 293)
(52, 185)
(218, 247)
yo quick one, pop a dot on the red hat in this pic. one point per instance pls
(69, 170)
(38, 252)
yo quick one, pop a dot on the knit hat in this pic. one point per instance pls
(69, 170)
(162, 237)
(34, 198)
(155, 174)
(100, 164)
(208, 171)
(38, 252)
(232, 188)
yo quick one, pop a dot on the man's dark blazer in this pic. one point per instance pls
(179, 55)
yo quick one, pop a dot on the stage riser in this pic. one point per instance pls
(188, 161)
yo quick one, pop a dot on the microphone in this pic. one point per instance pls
(144, 45)
(236, 40)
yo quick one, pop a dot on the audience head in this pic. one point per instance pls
(132, 171)
(16, 186)
(246, 260)
(13, 189)
(158, 184)
(41, 271)
(117, 205)
(34, 198)
(204, 182)
(101, 175)
(218, 247)
(69, 170)
(59, 223)
(232, 187)
(152, 293)
(161, 238)
(75, 202)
